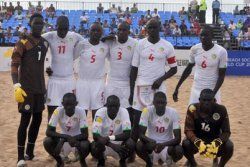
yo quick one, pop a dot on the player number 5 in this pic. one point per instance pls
(92, 58)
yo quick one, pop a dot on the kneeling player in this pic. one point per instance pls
(72, 120)
(111, 131)
(207, 129)
(162, 123)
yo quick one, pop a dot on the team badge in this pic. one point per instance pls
(75, 119)
(214, 56)
(27, 107)
(145, 110)
(129, 47)
(216, 116)
(166, 119)
(192, 108)
(102, 50)
(56, 112)
(118, 121)
(71, 39)
(98, 119)
(48, 100)
(161, 49)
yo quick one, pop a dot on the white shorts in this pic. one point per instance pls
(90, 93)
(195, 95)
(57, 88)
(67, 149)
(110, 152)
(163, 155)
(120, 89)
(143, 95)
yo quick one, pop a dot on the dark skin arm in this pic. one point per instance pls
(184, 76)
(83, 136)
(172, 71)
(220, 80)
(133, 76)
(105, 139)
(14, 78)
(143, 137)
(176, 140)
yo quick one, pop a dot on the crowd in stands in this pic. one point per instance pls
(182, 23)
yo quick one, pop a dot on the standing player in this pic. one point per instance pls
(162, 123)
(111, 132)
(91, 82)
(210, 61)
(27, 71)
(73, 123)
(207, 130)
(61, 80)
(121, 54)
(150, 59)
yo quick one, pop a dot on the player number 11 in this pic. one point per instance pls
(61, 49)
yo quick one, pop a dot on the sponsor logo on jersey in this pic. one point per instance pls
(129, 47)
(216, 116)
(214, 56)
(161, 49)
(71, 39)
(102, 50)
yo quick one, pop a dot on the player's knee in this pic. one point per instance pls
(186, 144)
(177, 153)
(229, 147)
(85, 145)
(48, 143)
(139, 147)
(97, 149)
(130, 145)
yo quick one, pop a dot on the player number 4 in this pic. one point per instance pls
(205, 127)
(151, 57)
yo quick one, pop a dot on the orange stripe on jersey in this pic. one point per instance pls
(171, 60)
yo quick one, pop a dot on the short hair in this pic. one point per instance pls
(124, 23)
(62, 20)
(69, 95)
(206, 92)
(113, 100)
(35, 15)
(160, 95)
(209, 29)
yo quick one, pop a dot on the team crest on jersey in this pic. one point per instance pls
(27, 107)
(161, 49)
(102, 50)
(192, 108)
(129, 47)
(75, 119)
(98, 119)
(216, 116)
(118, 121)
(214, 56)
(71, 39)
(166, 119)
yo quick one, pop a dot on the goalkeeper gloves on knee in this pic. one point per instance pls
(19, 93)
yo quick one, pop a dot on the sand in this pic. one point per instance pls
(235, 96)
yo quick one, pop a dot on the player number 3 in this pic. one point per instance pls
(119, 56)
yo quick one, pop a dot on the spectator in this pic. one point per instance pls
(128, 20)
(18, 7)
(64, 14)
(19, 17)
(143, 32)
(192, 31)
(120, 12)
(196, 26)
(239, 25)
(11, 8)
(127, 12)
(226, 39)
(16, 32)
(31, 10)
(21, 27)
(47, 26)
(25, 31)
(236, 10)
(105, 24)
(134, 9)
(231, 26)
(100, 8)
(51, 11)
(113, 23)
(193, 7)
(73, 28)
(247, 22)
(142, 21)
(148, 16)
(84, 18)
(155, 14)
(177, 31)
(8, 34)
(113, 9)
(182, 13)
(183, 28)
(216, 11)
(99, 20)
(202, 10)
(166, 29)
(81, 30)
(39, 7)
(112, 31)
(4, 9)
(172, 24)
(2, 38)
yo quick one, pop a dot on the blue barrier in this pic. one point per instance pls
(238, 63)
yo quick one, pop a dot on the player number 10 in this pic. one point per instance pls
(160, 129)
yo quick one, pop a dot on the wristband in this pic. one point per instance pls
(112, 138)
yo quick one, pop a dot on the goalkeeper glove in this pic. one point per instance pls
(19, 93)
(213, 147)
(201, 146)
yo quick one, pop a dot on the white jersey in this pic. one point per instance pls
(92, 59)
(160, 128)
(69, 125)
(151, 60)
(105, 126)
(62, 49)
(207, 64)
(121, 59)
